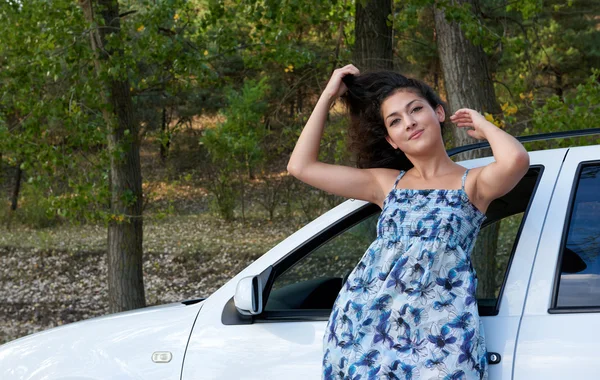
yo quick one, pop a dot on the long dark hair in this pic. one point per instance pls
(367, 132)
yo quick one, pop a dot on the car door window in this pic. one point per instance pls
(579, 278)
(491, 257)
(314, 281)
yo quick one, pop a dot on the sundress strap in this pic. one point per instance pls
(464, 178)
(400, 175)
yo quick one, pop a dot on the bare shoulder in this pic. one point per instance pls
(385, 179)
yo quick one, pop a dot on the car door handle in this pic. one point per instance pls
(493, 358)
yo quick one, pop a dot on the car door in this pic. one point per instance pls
(559, 337)
(307, 271)
(285, 340)
(517, 218)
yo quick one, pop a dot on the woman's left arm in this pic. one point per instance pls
(511, 158)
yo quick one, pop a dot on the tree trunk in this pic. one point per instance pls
(469, 84)
(17, 188)
(373, 36)
(467, 78)
(300, 97)
(125, 276)
(484, 260)
(164, 145)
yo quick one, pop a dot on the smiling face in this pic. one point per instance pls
(411, 123)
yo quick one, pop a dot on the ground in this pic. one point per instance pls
(57, 275)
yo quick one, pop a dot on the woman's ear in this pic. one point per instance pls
(389, 140)
(441, 114)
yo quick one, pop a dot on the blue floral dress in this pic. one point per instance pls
(408, 310)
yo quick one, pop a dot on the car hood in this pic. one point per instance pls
(123, 345)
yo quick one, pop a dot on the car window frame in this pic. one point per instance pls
(483, 310)
(554, 308)
(339, 227)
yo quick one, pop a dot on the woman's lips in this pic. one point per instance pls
(416, 135)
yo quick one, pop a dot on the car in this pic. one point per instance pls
(539, 295)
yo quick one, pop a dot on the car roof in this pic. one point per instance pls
(523, 139)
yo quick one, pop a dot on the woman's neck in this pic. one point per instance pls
(428, 167)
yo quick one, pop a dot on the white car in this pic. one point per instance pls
(540, 309)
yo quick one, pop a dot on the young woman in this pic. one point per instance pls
(408, 309)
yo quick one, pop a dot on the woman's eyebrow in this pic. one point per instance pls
(408, 105)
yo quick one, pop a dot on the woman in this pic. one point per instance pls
(408, 309)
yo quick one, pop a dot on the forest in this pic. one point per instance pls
(144, 143)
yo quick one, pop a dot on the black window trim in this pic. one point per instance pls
(554, 308)
(298, 254)
(496, 309)
(231, 316)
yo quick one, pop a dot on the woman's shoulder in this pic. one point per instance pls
(385, 179)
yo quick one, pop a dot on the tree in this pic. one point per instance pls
(415, 46)
(373, 35)
(467, 78)
(47, 131)
(236, 146)
(125, 233)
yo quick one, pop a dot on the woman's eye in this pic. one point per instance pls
(394, 122)
(417, 109)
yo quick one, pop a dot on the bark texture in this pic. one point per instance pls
(125, 276)
(469, 84)
(373, 48)
(467, 78)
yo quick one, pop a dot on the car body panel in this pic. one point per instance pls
(557, 346)
(117, 346)
(501, 330)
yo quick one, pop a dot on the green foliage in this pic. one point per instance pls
(47, 103)
(334, 141)
(547, 49)
(414, 34)
(193, 58)
(236, 145)
(225, 194)
(529, 8)
(51, 104)
(35, 211)
(578, 109)
(236, 142)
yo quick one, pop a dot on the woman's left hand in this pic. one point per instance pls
(466, 117)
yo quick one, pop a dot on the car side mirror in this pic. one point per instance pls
(248, 297)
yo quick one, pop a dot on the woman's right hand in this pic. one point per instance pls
(335, 87)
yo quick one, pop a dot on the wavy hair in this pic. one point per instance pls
(367, 132)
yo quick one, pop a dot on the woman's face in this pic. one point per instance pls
(412, 124)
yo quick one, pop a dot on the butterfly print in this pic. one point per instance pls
(408, 309)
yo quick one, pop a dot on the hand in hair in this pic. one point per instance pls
(335, 87)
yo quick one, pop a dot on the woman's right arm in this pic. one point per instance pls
(341, 180)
